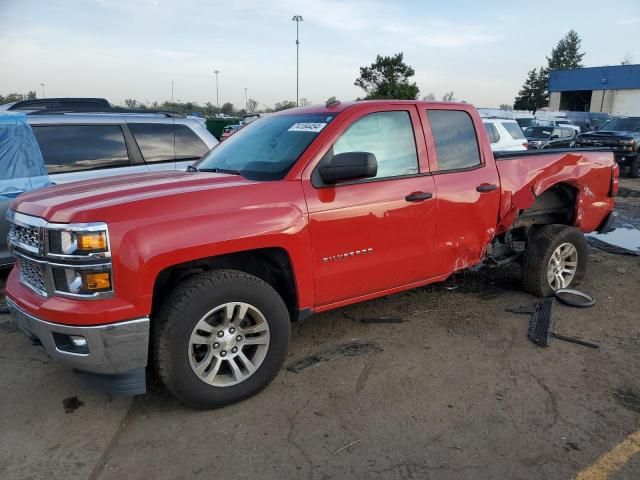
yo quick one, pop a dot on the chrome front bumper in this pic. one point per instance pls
(110, 349)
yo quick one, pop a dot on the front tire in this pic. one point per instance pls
(220, 337)
(556, 257)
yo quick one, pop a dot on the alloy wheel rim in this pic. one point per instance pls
(562, 266)
(228, 344)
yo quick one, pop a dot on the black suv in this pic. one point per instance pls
(622, 135)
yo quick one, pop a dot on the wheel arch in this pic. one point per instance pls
(271, 264)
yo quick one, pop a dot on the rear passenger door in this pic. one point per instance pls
(467, 187)
(74, 152)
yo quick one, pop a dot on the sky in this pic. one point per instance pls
(118, 49)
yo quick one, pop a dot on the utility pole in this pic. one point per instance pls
(245, 99)
(42, 85)
(217, 96)
(297, 19)
(171, 91)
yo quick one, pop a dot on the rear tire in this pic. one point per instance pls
(219, 338)
(542, 274)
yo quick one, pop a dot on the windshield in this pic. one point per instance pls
(267, 148)
(623, 124)
(537, 132)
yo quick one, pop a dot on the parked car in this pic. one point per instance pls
(197, 275)
(622, 135)
(526, 122)
(588, 121)
(504, 135)
(229, 130)
(550, 137)
(57, 104)
(81, 146)
(561, 122)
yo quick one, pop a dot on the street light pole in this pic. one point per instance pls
(245, 99)
(42, 85)
(297, 19)
(217, 96)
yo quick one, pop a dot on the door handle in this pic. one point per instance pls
(486, 187)
(418, 196)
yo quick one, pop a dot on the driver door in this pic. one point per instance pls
(371, 236)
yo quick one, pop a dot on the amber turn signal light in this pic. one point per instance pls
(92, 242)
(93, 282)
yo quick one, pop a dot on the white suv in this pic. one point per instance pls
(505, 135)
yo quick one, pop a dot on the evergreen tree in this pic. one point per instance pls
(388, 77)
(566, 54)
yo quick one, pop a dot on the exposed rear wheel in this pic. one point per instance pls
(556, 257)
(220, 337)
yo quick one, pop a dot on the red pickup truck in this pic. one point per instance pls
(195, 276)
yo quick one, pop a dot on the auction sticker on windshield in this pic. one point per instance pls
(307, 127)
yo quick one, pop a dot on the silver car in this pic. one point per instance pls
(80, 146)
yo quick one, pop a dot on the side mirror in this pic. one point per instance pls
(348, 166)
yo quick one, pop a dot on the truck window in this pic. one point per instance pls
(455, 138)
(72, 148)
(389, 136)
(188, 145)
(155, 141)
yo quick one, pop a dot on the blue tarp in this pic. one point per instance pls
(22, 167)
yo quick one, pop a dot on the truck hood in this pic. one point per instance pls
(609, 135)
(66, 203)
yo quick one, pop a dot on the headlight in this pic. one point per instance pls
(627, 142)
(78, 241)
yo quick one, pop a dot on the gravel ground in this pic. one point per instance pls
(442, 384)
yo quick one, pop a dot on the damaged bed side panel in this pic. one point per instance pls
(524, 179)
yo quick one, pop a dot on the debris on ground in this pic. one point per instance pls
(71, 404)
(346, 350)
(383, 320)
(541, 326)
(574, 298)
(349, 445)
(623, 241)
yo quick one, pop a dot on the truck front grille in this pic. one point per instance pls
(25, 237)
(32, 275)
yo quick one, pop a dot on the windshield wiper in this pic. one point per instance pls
(220, 170)
(191, 168)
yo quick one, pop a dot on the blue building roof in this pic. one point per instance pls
(616, 77)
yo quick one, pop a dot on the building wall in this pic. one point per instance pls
(554, 101)
(626, 102)
(602, 101)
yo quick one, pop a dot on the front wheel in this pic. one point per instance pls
(556, 257)
(221, 337)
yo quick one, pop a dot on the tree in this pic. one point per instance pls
(429, 97)
(388, 77)
(533, 94)
(304, 102)
(227, 108)
(284, 105)
(131, 103)
(448, 97)
(31, 95)
(566, 54)
(252, 105)
(627, 59)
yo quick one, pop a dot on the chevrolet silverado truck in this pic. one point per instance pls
(622, 135)
(194, 277)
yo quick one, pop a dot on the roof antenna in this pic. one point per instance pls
(332, 102)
